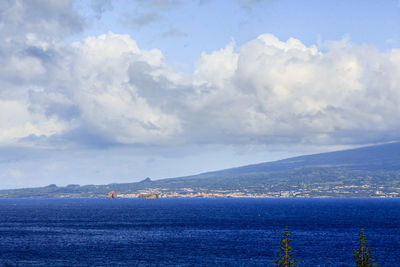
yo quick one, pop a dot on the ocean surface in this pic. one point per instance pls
(194, 232)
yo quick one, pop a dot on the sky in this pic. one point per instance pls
(103, 91)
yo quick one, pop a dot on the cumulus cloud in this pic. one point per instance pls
(288, 92)
(106, 90)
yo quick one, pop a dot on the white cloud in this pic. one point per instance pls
(266, 91)
(287, 92)
(106, 97)
(16, 122)
(217, 67)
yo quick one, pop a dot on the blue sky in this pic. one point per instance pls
(106, 91)
(185, 29)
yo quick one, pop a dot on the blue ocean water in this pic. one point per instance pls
(194, 232)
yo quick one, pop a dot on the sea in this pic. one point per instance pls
(194, 232)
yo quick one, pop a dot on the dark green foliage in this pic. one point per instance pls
(362, 254)
(285, 254)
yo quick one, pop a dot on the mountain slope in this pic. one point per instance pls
(379, 157)
(367, 171)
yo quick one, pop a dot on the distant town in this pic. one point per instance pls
(305, 191)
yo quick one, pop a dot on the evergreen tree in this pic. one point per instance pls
(285, 254)
(362, 254)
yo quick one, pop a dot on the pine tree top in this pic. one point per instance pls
(362, 253)
(285, 255)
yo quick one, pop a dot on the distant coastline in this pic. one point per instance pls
(357, 173)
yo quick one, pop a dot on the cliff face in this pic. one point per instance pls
(112, 194)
